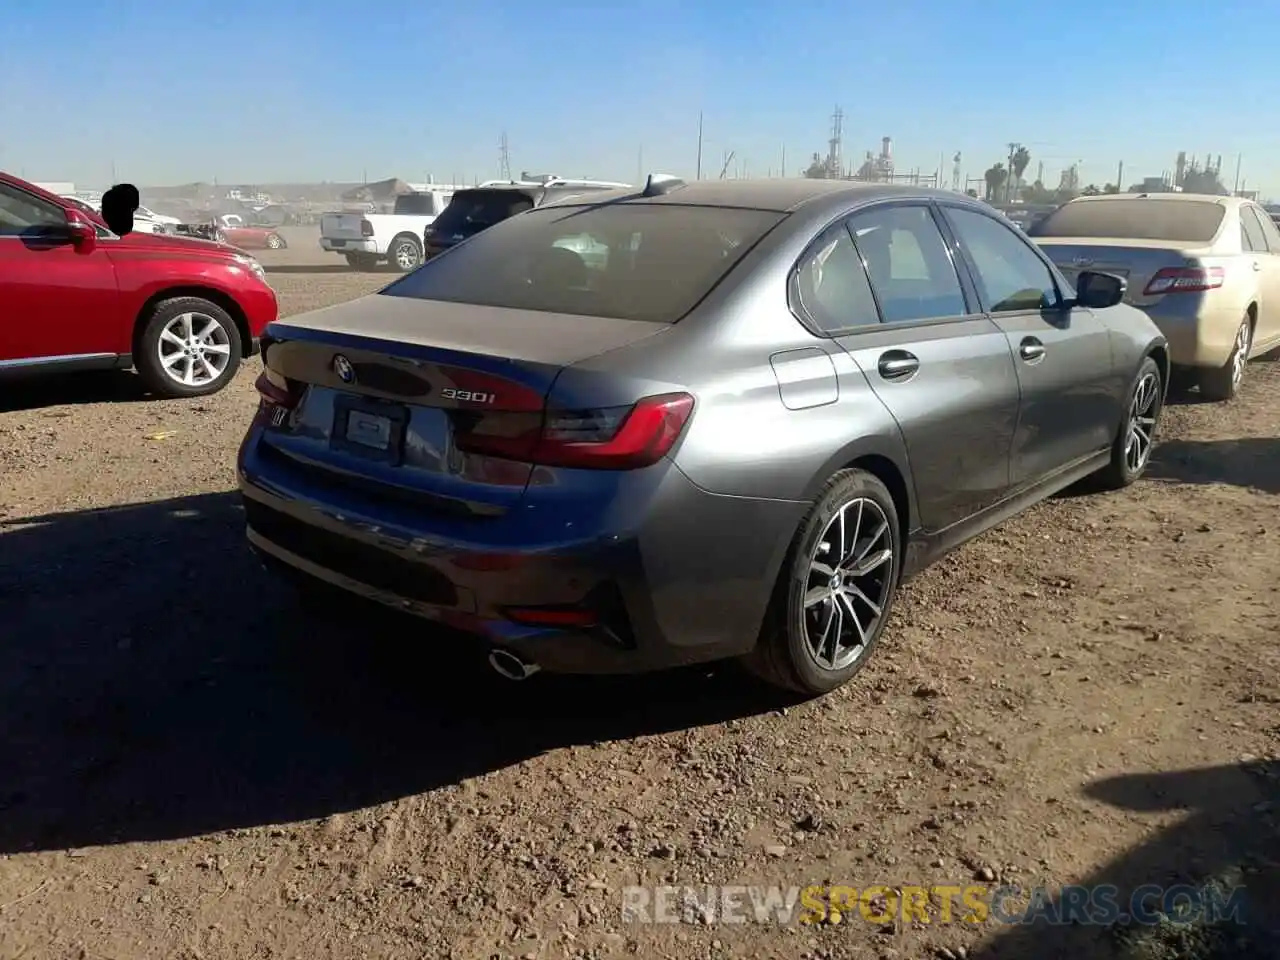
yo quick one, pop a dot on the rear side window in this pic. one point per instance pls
(1270, 231)
(627, 261)
(831, 284)
(1253, 230)
(1171, 221)
(911, 271)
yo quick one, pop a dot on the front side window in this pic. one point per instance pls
(1010, 276)
(910, 269)
(22, 214)
(831, 284)
(627, 261)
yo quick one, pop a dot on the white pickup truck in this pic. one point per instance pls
(367, 239)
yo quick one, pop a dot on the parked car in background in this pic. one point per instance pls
(479, 208)
(732, 434)
(367, 239)
(75, 296)
(1205, 268)
(142, 222)
(249, 236)
(156, 217)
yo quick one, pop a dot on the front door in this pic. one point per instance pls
(56, 302)
(1070, 406)
(941, 368)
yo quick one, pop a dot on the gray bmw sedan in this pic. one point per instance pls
(644, 428)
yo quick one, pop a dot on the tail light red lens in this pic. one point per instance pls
(1185, 280)
(366, 228)
(614, 438)
(277, 391)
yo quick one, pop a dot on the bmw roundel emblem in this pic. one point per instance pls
(343, 368)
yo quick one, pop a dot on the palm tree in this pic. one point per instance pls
(995, 177)
(1021, 160)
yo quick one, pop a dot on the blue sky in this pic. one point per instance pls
(177, 90)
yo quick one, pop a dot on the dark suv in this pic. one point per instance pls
(479, 208)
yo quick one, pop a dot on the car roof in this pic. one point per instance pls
(781, 196)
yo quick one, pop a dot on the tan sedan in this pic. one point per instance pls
(1206, 269)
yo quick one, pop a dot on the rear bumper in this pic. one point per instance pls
(1200, 333)
(679, 575)
(369, 247)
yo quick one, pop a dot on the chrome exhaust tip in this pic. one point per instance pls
(510, 666)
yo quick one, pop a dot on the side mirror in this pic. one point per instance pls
(1099, 290)
(83, 234)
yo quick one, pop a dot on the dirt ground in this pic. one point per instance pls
(190, 768)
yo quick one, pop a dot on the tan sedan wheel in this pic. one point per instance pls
(1224, 383)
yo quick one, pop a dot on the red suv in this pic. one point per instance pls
(183, 312)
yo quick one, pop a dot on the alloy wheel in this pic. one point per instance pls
(194, 349)
(850, 576)
(1142, 423)
(406, 256)
(1240, 356)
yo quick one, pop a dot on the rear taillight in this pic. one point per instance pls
(278, 395)
(1184, 280)
(614, 438)
(366, 228)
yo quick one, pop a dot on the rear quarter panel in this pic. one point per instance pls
(742, 440)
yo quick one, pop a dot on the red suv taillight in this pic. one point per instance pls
(1184, 280)
(614, 438)
(366, 228)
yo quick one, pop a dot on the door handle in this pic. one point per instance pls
(898, 364)
(1031, 350)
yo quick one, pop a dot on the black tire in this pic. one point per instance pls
(405, 253)
(782, 655)
(1125, 468)
(276, 242)
(146, 353)
(1223, 383)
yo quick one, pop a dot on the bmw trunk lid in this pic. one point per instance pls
(376, 394)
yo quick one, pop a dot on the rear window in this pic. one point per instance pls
(415, 205)
(1173, 221)
(627, 261)
(473, 210)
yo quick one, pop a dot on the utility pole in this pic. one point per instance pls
(1239, 159)
(504, 157)
(1120, 178)
(699, 176)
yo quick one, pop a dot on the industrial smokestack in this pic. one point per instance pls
(886, 148)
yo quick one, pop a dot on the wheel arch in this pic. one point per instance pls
(405, 234)
(213, 295)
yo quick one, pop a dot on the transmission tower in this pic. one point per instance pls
(504, 158)
(955, 172)
(835, 158)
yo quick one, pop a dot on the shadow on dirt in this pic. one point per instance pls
(1251, 462)
(90, 386)
(155, 683)
(1224, 856)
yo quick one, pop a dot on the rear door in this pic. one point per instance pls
(941, 368)
(56, 302)
(1070, 391)
(1267, 266)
